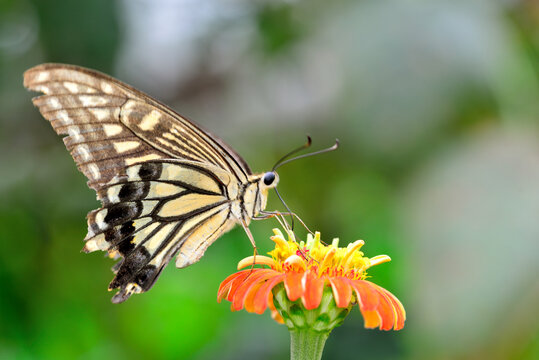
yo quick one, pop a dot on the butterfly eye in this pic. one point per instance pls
(269, 177)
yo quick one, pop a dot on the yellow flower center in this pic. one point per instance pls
(314, 256)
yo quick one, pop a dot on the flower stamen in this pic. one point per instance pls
(350, 251)
(328, 259)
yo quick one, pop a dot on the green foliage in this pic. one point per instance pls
(277, 28)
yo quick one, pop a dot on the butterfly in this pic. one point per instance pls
(167, 187)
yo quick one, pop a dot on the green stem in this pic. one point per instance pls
(306, 344)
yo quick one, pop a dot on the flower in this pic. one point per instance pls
(313, 285)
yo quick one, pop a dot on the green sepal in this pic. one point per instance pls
(324, 318)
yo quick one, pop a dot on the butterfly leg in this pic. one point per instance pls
(251, 238)
(274, 214)
(269, 214)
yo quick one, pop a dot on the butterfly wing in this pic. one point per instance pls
(123, 141)
(155, 210)
(111, 125)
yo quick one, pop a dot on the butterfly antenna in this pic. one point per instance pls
(304, 146)
(287, 208)
(282, 161)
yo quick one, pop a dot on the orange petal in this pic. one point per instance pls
(292, 284)
(367, 296)
(341, 291)
(248, 302)
(261, 299)
(224, 288)
(236, 283)
(313, 289)
(223, 291)
(398, 309)
(386, 311)
(225, 284)
(257, 275)
(372, 320)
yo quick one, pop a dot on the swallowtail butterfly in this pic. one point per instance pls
(167, 187)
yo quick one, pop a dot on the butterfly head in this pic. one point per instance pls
(269, 180)
(258, 190)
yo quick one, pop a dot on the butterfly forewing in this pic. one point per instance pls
(166, 186)
(76, 96)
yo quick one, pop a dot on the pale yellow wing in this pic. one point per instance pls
(111, 125)
(154, 211)
(162, 180)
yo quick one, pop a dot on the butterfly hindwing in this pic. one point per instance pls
(144, 261)
(155, 210)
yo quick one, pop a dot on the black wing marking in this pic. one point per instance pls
(154, 211)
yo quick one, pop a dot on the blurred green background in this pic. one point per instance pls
(436, 105)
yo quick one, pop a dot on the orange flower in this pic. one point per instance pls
(323, 277)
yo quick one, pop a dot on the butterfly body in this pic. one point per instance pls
(167, 187)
